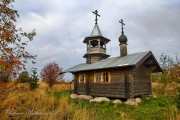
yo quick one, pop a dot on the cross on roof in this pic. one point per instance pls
(122, 25)
(96, 13)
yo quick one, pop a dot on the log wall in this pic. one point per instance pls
(142, 81)
(118, 87)
(124, 83)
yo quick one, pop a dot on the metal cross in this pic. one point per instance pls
(96, 13)
(122, 25)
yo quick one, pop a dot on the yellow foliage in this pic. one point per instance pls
(170, 89)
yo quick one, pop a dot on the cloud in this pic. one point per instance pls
(61, 27)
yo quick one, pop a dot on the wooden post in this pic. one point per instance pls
(99, 45)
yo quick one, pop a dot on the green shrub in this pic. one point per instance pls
(177, 99)
(24, 77)
(33, 80)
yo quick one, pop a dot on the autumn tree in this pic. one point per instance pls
(171, 68)
(50, 73)
(13, 55)
(170, 75)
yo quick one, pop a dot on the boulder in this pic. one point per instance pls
(73, 96)
(154, 96)
(117, 101)
(92, 100)
(100, 99)
(85, 97)
(131, 102)
(138, 100)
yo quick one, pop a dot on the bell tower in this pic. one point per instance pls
(96, 44)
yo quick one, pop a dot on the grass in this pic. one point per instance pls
(54, 104)
(159, 108)
(59, 94)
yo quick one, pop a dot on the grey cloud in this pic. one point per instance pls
(62, 25)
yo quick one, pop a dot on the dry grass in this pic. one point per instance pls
(20, 100)
(19, 103)
(61, 87)
(84, 114)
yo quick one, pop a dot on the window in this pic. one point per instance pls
(101, 77)
(105, 77)
(82, 78)
(97, 77)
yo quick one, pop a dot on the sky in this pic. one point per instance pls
(62, 25)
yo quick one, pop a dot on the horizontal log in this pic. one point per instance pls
(81, 87)
(145, 84)
(107, 95)
(107, 87)
(142, 87)
(111, 82)
(142, 93)
(108, 92)
(143, 90)
(81, 93)
(81, 90)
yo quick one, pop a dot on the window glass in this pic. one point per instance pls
(81, 78)
(98, 77)
(105, 77)
(102, 77)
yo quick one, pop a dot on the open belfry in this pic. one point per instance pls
(124, 76)
(96, 44)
